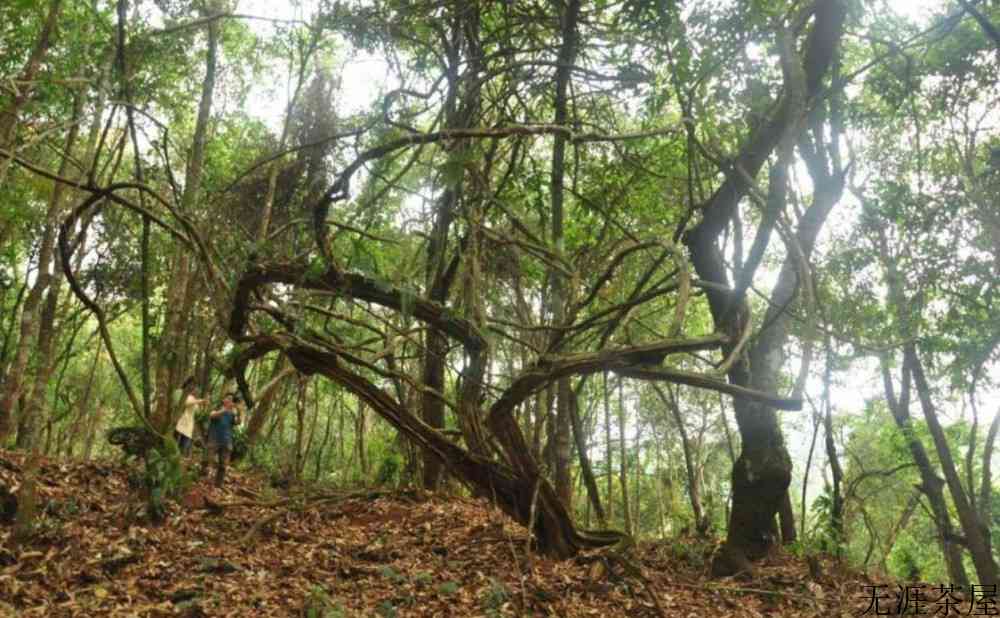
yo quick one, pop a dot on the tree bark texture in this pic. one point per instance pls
(762, 472)
(513, 484)
(558, 299)
(931, 484)
(461, 110)
(586, 469)
(37, 317)
(837, 472)
(690, 463)
(976, 532)
(172, 348)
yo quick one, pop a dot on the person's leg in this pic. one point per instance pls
(220, 470)
(183, 443)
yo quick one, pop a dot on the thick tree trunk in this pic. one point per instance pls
(562, 451)
(760, 482)
(471, 392)
(432, 403)
(762, 472)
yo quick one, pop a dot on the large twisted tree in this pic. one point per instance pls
(540, 244)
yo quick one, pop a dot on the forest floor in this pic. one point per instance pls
(248, 550)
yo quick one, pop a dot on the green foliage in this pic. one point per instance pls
(494, 597)
(319, 604)
(392, 575)
(165, 477)
(448, 588)
(240, 444)
(389, 469)
(690, 552)
(914, 559)
(824, 535)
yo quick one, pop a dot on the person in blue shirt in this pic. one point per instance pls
(220, 437)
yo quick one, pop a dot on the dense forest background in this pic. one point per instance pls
(629, 269)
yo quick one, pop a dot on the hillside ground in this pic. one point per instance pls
(249, 550)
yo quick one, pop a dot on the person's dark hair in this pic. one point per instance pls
(188, 383)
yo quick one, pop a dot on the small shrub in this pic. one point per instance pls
(392, 575)
(386, 609)
(495, 597)
(448, 588)
(319, 605)
(389, 470)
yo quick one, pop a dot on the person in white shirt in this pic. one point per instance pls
(184, 430)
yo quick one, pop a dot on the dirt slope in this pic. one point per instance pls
(247, 550)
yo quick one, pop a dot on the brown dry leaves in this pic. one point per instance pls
(362, 554)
